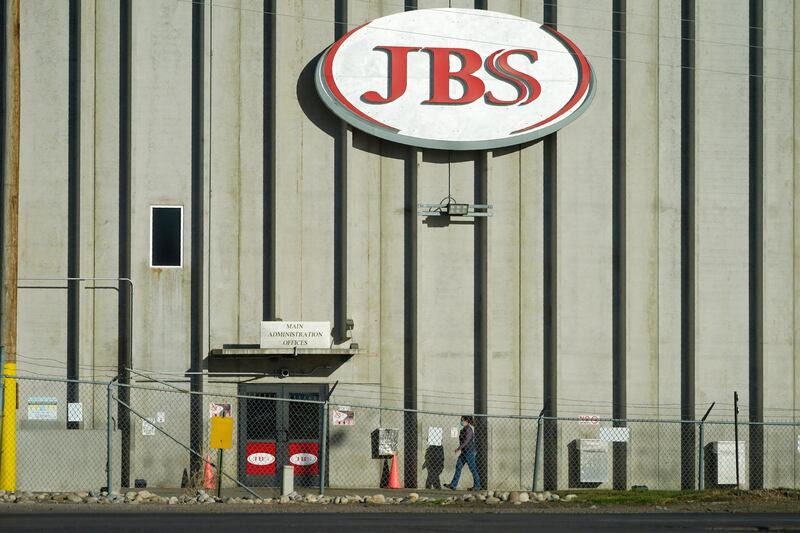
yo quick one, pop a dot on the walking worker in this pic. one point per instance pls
(467, 450)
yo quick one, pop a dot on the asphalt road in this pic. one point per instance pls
(391, 522)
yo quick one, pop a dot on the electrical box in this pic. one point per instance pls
(723, 462)
(385, 442)
(592, 460)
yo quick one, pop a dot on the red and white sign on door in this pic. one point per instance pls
(304, 456)
(260, 458)
(455, 79)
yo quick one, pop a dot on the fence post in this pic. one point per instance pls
(701, 454)
(701, 466)
(537, 452)
(109, 438)
(2, 390)
(323, 455)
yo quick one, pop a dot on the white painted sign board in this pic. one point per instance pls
(279, 334)
(435, 436)
(74, 412)
(42, 408)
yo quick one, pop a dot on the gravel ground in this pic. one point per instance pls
(480, 502)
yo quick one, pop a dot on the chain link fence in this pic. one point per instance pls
(157, 436)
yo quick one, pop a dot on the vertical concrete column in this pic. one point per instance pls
(756, 243)
(778, 232)
(550, 289)
(250, 147)
(619, 278)
(668, 117)
(340, 137)
(225, 179)
(197, 234)
(687, 243)
(585, 232)
(642, 237)
(105, 196)
(721, 202)
(269, 148)
(124, 318)
(73, 203)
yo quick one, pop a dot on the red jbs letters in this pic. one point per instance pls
(496, 64)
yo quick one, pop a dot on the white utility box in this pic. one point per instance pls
(725, 453)
(592, 460)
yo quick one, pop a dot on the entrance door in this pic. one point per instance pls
(274, 432)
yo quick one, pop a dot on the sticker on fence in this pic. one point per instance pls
(588, 420)
(42, 408)
(161, 417)
(435, 436)
(219, 409)
(148, 427)
(343, 416)
(453, 433)
(74, 412)
(615, 434)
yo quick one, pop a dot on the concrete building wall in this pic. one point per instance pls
(412, 281)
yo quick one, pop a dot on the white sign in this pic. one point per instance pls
(453, 433)
(303, 459)
(42, 408)
(219, 409)
(343, 416)
(148, 427)
(74, 412)
(296, 334)
(455, 79)
(435, 436)
(615, 434)
(260, 458)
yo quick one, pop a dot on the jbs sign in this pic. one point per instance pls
(473, 88)
(455, 79)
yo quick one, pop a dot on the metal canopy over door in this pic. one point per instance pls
(274, 432)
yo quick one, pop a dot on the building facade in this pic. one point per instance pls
(641, 262)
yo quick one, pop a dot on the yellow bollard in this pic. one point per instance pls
(8, 459)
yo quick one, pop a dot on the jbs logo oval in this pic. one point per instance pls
(455, 79)
(303, 459)
(261, 458)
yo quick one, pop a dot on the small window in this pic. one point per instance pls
(166, 236)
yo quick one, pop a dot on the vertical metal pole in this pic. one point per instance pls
(323, 455)
(219, 474)
(109, 438)
(701, 481)
(701, 475)
(736, 433)
(10, 255)
(2, 395)
(537, 453)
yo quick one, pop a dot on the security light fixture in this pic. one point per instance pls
(457, 209)
(450, 208)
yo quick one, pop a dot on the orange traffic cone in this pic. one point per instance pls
(394, 475)
(208, 474)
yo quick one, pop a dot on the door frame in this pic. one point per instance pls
(282, 392)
